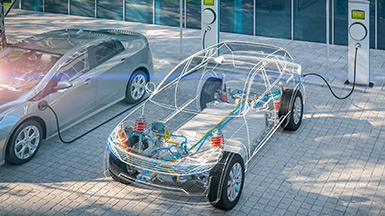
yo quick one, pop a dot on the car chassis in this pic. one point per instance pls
(206, 120)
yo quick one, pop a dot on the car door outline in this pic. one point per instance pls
(72, 105)
(110, 71)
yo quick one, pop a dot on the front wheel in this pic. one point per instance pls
(227, 179)
(291, 104)
(136, 87)
(24, 142)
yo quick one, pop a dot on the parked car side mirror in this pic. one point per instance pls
(150, 87)
(63, 84)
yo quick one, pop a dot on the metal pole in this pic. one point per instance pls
(153, 11)
(96, 8)
(69, 7)
(43, 5)
(180, 28)
(292, 19)
(333, 21)
(375, 23)
(3, 41)
(327, 35)
(20, 4)
(124, 10)
(255, 17)
(185, 14)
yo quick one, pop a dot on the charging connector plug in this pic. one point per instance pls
(43, 105)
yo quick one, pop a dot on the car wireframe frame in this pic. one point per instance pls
(207, 119)
(76, 72)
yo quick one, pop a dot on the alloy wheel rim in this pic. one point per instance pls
(138, 86)
(234, 182)
(297, 111)
(27, 142)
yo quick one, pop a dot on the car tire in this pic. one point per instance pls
(291, 100)
(227, 179)
(118, 170)
(24, 142)
(208, 91)
(136, 88)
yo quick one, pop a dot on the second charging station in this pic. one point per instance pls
(210, 22)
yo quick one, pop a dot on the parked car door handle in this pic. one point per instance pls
(87, 81)
(122, 60)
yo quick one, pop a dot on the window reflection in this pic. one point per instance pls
(139, 11)
(273, 18)
(110, 9)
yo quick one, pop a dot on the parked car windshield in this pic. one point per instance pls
(22, 69)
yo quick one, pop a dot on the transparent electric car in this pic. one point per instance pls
(206, 120)
(76, 72)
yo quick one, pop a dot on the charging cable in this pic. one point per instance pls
(208, 28)
(43, 105)
(354, 79)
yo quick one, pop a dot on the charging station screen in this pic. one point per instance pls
(208, 2)
(357, 14)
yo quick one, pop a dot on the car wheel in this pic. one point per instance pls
(227, 179)
(208, 92)
(291, 100)
(24, 142)
(120, 171)
(136, 87)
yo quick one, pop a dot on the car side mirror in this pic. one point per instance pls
(63, 84)
(150, 87)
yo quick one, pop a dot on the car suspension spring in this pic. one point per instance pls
(140, 125)
(217, 139)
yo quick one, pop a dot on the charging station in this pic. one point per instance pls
(359, 39)
(210, 23)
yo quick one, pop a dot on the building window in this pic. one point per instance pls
(56, 6)
(381, 24)
(83, 8)
(167, 12)
(273, 18)
(139, 11)
(35, 5)
(237, 16)
(110, 9)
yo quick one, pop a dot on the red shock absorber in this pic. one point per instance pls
(217, 139)
(276, 105)
(224, 97)
(140, 125)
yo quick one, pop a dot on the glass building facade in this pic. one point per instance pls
(289, 19)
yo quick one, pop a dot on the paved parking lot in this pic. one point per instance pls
(333, 165)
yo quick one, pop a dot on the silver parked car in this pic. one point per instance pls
(76, 72)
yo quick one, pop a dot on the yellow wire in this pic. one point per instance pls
(220, 122)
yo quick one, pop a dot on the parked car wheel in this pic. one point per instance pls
(208, 91)
(291, 100)
(119, 169)
(24, 142)
(227, 179)
(136, 87)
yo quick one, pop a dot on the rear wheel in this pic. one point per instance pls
(24, 142)
(291, 101)
(136, 87)
(209, 89)
(227, 179)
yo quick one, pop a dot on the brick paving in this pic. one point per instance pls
(333, 165)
